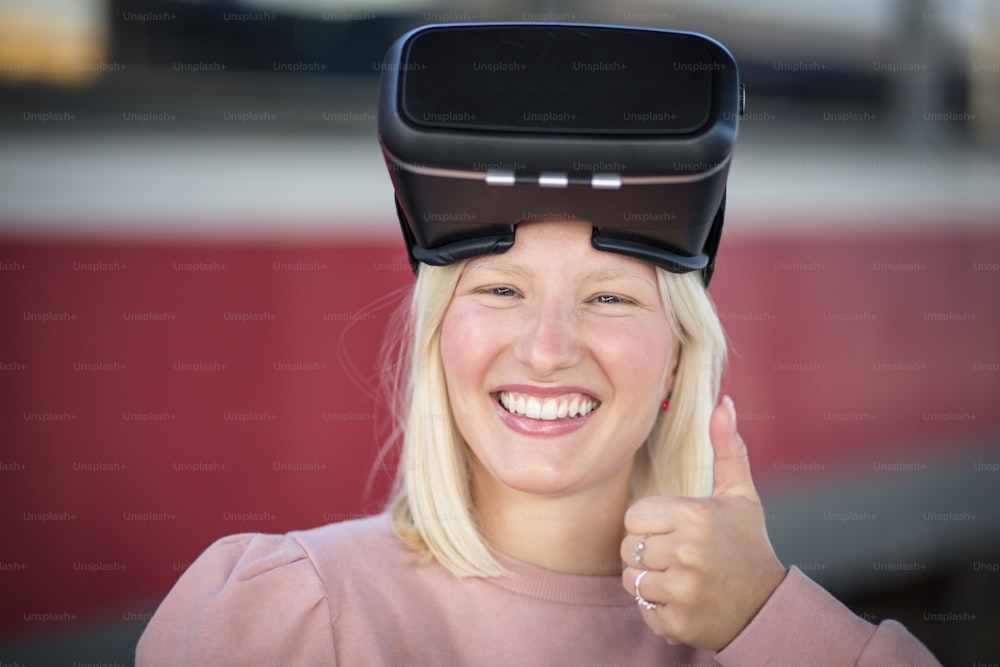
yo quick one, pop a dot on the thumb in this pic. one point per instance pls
(731, 469)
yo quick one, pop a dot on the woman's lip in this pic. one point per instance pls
(545, 392)
(539, 427)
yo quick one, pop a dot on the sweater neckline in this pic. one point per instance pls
(574, 589)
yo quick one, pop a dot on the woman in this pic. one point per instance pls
(571, 490)
(544, 470)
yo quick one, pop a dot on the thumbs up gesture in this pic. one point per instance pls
(710, 565)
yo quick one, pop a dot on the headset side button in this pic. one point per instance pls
(606, 181)
(553, 180)
(500, 178)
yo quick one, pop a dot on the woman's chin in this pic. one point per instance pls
(539, 478)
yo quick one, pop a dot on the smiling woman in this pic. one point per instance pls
(570, 489)
(542, 479)
(550, 311)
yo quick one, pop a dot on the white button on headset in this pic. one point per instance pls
(606, 181)
(552, 179)
(499, 178)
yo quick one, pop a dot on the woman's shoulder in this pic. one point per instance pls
(353, 535)
(255, 594)
(279, 559)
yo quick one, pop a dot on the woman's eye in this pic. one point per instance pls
(610, 298)
(498, 291)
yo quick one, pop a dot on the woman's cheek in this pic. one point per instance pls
(469, 333)
(630, 347)
(476, 322)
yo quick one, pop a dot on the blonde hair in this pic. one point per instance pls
(431, 503)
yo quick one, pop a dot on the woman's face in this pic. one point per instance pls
(557, 357)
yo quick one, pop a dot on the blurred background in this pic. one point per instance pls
(199, 256)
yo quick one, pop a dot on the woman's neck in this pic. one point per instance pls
(575, 534)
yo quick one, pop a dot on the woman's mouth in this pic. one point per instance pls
(566, 406)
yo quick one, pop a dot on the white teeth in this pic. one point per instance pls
(574, 407)
(548, 409)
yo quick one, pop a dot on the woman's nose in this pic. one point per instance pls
(548, 340)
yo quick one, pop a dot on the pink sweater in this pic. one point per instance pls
(351, 594)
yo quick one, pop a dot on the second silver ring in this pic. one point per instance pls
(643, 602)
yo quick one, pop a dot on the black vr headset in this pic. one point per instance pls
(630, 129)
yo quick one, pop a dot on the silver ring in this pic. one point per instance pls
(643, 602)
(639, 546)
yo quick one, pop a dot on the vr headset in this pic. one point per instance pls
(630, 129)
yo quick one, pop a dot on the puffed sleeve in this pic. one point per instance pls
(802, 624)
(247, 600)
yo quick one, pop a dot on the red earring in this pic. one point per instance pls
(666, 402)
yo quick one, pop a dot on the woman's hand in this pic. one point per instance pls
(711, 565)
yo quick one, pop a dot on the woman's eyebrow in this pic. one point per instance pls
(616, 274)
(500, 267)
